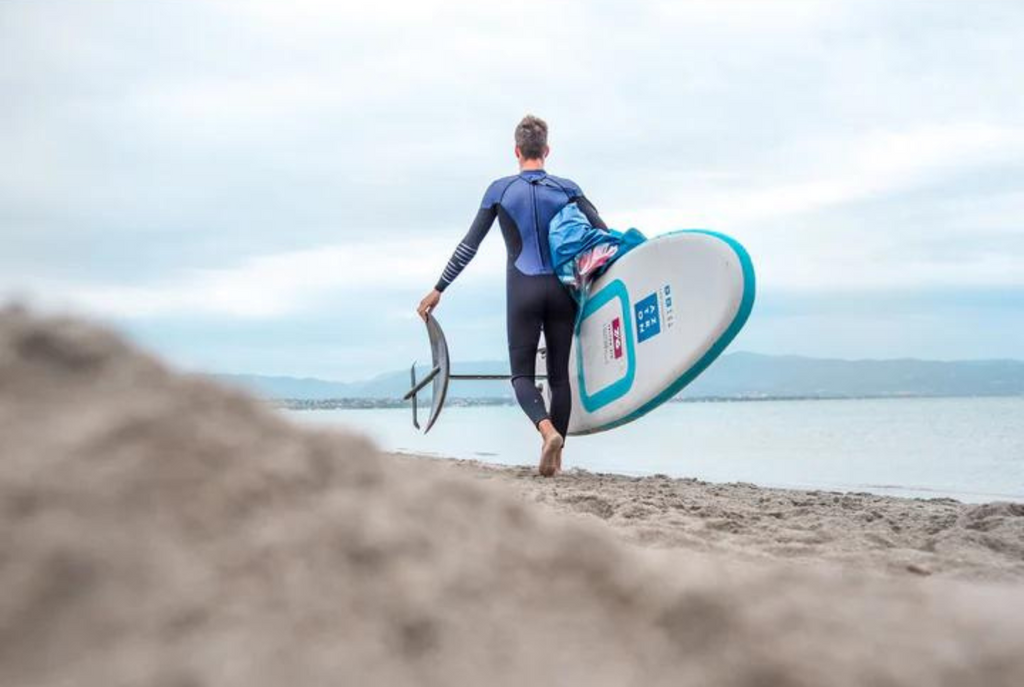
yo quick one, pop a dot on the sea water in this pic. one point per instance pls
(971, 449)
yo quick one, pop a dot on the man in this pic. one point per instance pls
(524, 205)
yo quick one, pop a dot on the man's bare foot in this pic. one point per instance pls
(550, 454)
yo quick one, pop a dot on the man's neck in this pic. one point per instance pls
(531, 165)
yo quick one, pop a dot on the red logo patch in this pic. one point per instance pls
(617, 338)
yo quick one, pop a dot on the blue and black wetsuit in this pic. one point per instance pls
(524, 205)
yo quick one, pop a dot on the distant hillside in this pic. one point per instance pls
(290, 387)
(736, 375)
(386, 385)
(750, 374)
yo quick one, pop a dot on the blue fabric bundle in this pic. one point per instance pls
(570, 235)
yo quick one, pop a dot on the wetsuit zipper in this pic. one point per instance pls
(536, 223)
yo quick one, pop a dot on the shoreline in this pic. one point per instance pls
(896, 491)
(376, 403)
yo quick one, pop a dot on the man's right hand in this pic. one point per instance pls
(428, 304)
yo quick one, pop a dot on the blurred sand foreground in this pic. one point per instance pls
(159, 530)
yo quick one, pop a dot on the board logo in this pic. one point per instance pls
(648, 317)
(617, 338)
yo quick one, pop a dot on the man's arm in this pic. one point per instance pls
(467, 248)
(464, 252)
(591, 212)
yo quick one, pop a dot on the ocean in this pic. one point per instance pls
(970, 449)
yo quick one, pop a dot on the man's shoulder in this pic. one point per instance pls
(568, 185)
(497, 189)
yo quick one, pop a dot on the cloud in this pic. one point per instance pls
(261, 161)
(282, 284)
(807, 212)
(881, 162)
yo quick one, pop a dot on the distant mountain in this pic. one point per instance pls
(290, 387)
(386, 385)
(753, 375)
(736, 375)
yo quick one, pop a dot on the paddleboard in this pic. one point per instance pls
(653, 322)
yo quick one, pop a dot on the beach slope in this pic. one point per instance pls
(157, 529)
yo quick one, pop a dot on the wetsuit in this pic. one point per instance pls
(524, 205)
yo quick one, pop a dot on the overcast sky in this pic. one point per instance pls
(271, 186)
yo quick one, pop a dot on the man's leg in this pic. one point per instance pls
(523, 361)
(525, 309)
(559, 342)
(559, 327)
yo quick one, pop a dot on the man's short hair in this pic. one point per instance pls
(532, 137)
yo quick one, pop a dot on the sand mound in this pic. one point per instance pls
(159, 530)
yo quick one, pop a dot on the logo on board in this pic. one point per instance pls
(653, 312)
(613, 340)
(648, 318)
(617, 338)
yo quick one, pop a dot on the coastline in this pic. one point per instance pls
(368, 403)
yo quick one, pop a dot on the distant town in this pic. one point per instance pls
(376, 403)
(367, 403)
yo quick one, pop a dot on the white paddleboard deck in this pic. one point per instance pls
(653, 322)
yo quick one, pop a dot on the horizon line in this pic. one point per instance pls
(905, 359)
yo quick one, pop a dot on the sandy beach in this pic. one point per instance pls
(158, 529)
(853, 531)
